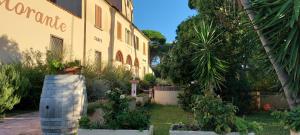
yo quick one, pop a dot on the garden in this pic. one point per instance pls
(205, 83)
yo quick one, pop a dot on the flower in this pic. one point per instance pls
(122, 97)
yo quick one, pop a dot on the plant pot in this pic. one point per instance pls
(115, 132)
(181, 132)
(72, 70)
(294, 132)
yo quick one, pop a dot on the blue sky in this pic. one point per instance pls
(161, 15)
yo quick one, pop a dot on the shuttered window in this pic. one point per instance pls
(128, 36)
(56, 48)
(119, 31)
(98, 16)
(136, 42)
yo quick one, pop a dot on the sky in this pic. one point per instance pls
(161, 15)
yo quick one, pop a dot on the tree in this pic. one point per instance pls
(277, 25)
(158, 46)
(155, 36)
(209, 68)
(13, 86)
(177, 64)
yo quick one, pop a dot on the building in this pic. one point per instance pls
(93, 31)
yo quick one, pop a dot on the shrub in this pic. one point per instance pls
(290, 120)
(36, 77)
(13, 86)
(186, 98)
(164, 82)
(118, 115)
(150, 79)
(93, 106)
(84, 122)
(98, 89)
(136, 119)
(118, 107)
(110, 77)
(212, 114)
(117, 78)
(237, 91)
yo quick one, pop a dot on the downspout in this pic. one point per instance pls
(84, 34)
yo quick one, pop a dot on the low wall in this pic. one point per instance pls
(115, 132)
(172, 132)
(182, 132)
(277, 101)
(166, 95)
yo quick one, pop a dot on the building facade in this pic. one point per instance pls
(96, 32)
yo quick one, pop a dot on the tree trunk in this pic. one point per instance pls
(281, 73)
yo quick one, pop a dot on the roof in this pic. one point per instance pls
(127, 20)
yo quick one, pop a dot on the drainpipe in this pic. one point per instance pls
(84, 34)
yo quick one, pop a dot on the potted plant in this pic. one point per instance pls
(213, 116)
(118, 118)
(58, 67)
(73, 67)
(290, 120)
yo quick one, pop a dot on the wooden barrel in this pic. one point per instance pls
(63, 102)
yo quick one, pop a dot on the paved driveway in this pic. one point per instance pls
(24, 124)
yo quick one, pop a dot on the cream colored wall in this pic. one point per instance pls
(27, 33)
(107, 37)
(126, 10)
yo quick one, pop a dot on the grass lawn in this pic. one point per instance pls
(271, 126)
(162, 117)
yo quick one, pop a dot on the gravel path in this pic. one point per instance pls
(24, 124)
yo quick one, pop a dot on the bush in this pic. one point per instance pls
(13, 86)
(186, 98)
(118, 107)
(118, 115)
(136, 119)
(35, 69)
(290, 120)
(36, 77)
(212, 114)
(84, 122)
(98, 82)
(93, 106)
(150, 79)
(237, 91)
(164, 82)
(117, 78)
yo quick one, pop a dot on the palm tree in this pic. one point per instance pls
(277, 24)
(209, 68)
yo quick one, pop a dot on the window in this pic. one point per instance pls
(144, 71)
(127, 36)
(144, 48)
(119, 31)
(98, 16)
(56, 48)
(129, 60)
(119, 57)
(98, 60)
(136, 43)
